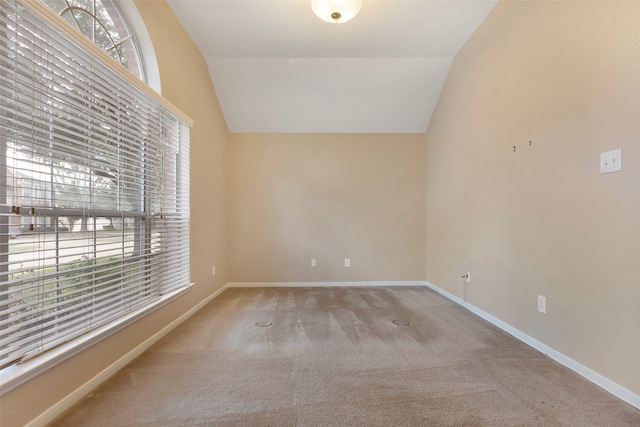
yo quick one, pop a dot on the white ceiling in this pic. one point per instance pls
(276, 67)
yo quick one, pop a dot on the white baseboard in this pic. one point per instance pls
(589, 374)
(60, 407)
(321, 284)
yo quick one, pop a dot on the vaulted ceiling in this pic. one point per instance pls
(276, 67)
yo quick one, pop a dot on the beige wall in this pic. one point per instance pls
(543, 220)
(329, 197)
(186, 83)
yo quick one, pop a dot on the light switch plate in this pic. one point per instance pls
(611, 161)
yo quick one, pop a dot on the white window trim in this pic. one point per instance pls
(147, 53)
(16, 375)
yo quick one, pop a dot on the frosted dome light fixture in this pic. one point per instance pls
(336, 11)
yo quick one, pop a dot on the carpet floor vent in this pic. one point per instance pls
(263, 324)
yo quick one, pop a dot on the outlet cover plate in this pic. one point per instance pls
(611, 161)
(542, 304)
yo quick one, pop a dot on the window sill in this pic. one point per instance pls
(16, 375)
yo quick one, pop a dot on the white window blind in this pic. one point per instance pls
(94, 189)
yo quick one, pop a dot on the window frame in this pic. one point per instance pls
(113, 9)
(15, 375)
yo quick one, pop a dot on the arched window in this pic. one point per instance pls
(94, 183)
(103, 23)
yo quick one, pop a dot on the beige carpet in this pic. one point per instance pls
(335, 357)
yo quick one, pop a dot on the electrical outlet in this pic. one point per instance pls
(213, 270)
(347, 262)
(542, 304)
(313, 262)
(468, 277)
(611, 161)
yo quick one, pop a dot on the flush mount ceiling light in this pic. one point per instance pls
(336, 11)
